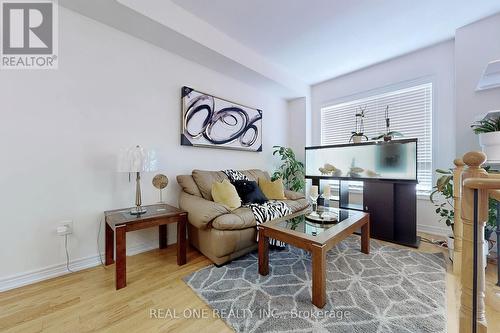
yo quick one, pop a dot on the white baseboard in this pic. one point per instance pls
(428, 229)
(49, 272)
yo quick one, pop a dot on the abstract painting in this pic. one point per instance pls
(208, 121)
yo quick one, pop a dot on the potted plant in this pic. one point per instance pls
(388, 135)
(358, 135)
(488, 131)
(445, 209)
(291, 171)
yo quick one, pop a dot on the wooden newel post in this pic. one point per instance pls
(457, 224)
(473, 160)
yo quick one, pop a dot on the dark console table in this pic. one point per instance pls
(392, 203)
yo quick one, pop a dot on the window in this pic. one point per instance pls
(410, 111)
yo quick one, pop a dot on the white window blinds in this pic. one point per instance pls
(410, 111)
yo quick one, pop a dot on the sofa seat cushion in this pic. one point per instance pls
(297, 205)
(240, 218)
(243, 218)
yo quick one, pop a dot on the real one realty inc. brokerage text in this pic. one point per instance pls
(190, 313)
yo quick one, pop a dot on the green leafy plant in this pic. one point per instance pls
(444, 207)
(486, 125)
(294, 222)
(291, 170)
(444, 204)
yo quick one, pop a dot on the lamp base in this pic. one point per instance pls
(138, 210)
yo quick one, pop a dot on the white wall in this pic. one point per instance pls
(62, 129)
(297, 109)
(475, 46)
(435, 63)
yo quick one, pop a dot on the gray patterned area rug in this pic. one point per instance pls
(390, 290)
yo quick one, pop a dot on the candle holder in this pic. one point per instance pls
(326, 201)
(326, 195)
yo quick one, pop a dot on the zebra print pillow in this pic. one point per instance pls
(234, 175)
(269, 211)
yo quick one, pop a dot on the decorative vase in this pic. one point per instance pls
(490, 145)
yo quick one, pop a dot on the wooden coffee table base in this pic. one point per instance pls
(318, 252)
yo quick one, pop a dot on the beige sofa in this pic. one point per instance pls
(217, 232)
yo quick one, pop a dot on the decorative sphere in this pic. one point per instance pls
(160, 181)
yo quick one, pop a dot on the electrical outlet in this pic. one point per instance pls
(64, 228)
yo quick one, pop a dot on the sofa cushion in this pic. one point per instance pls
(240, 218)
(243, 218)
(225, 193)
(273, 190)
(297, 205)
(249, 192)
(291, 195)
(188, 185)
(201, 211)
(205, 179)
(255, 174)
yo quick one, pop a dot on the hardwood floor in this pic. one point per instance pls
(87, 301)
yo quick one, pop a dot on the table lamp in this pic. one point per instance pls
(137, 160)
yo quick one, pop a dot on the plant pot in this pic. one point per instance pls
(451, 246)
(357, 138)
(490, 145)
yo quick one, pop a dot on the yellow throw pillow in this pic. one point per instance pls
(273, 190)
(225, 193)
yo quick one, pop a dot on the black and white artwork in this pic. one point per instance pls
(208, 121)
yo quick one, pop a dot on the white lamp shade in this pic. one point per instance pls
(137, 159)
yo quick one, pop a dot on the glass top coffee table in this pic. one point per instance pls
(316, 233)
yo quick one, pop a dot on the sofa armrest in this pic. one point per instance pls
(200, 211)
(292, 195)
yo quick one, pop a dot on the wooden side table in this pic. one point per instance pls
(120, 221)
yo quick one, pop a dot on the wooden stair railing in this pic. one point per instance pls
(477, 185)
(457, 223)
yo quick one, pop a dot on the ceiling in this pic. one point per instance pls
(320, 39)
